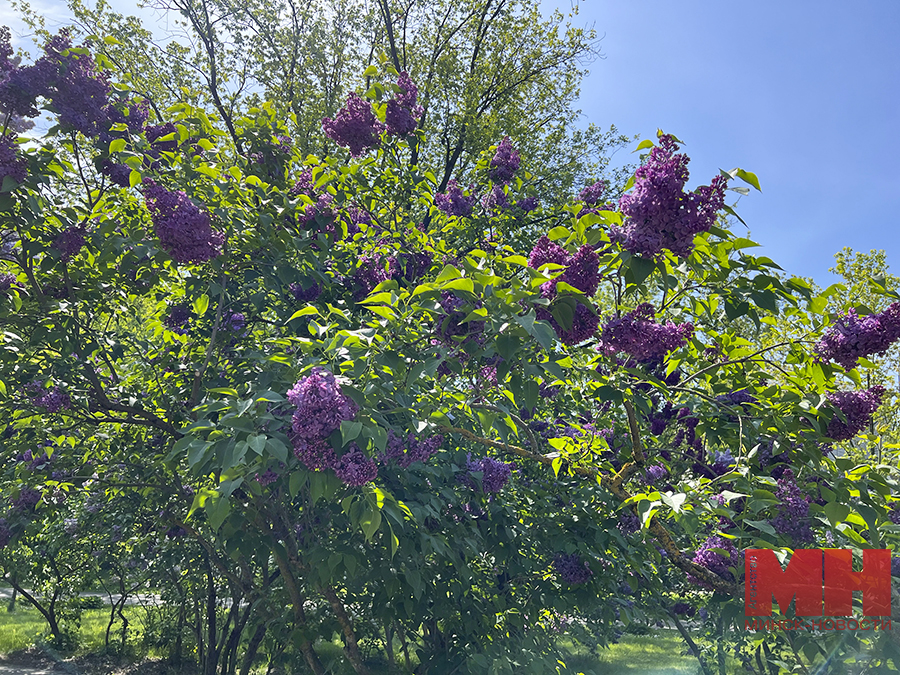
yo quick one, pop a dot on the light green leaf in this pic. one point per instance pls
(201, 304)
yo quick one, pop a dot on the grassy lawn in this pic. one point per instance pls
(659, 654)
(21, 628)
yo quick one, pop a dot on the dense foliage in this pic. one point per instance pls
(314, 396)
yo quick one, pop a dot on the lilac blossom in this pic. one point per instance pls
(412, 450)
(504, 163)
(858, 408)
(638, 335)
(454, 202)
(494, 473)
(354, 126)
(592, 194)
(12, 164)
(27, 500)
(572, 569)
(852, 338)
(70, 241)
(402, 113)
(793, 510)
(320, 406)
(658, 213)
(183, 228)
(78, 92)
(354, 468)
(714, 561)
(528, 204)
(305, 295)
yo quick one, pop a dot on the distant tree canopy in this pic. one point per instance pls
(485, 69)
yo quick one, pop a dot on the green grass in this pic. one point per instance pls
(659, 654)
(21, 628)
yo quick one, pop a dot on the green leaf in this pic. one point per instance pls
(306, 311)
(371, 71)
(297, 480)
(748, 177)
(557, 464)
(544, 334)
(836, 513)
(134, 178)
(350, 431)
(117, 145)
(228, 391)
(643, 145)
(640, 268)
(460, 285)
(674, 502)
(370, 522)
(558, 232)
(201, 304)
(762, 525)
(217, 511)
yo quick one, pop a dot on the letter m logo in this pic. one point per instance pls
(801, 579)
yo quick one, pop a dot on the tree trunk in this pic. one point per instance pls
(253, 648)
(351, 646)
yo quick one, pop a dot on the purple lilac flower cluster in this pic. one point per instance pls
(494, 473)
(582, 272)
(495, 198)
(572, 568)
(28, 499)
(320, 409)
(6, 281)
(268, 477)
(454, 202)
(857, 406)
(852, 338)
(655, 473)
(11, 163)
(658, 213)
(183, 229)
(504, 163)
(722, 462)
(593, 193)
(354, 126)
(320, 405)
(305, 294)
(894, 514)
(714, 561)
(412, 450)
(35, 462)
(70, 241)
(402, 113)
(451, 326)
(638, 335)
(737, 397)
(793, 510)
(628, 523)
(528, 204)
(52, 401)
(372, 271)
(77, 91)
(354, 468)
(178, 317)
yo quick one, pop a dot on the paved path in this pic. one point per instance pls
(136, 599)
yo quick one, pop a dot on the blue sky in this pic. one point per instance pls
(804, 93)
